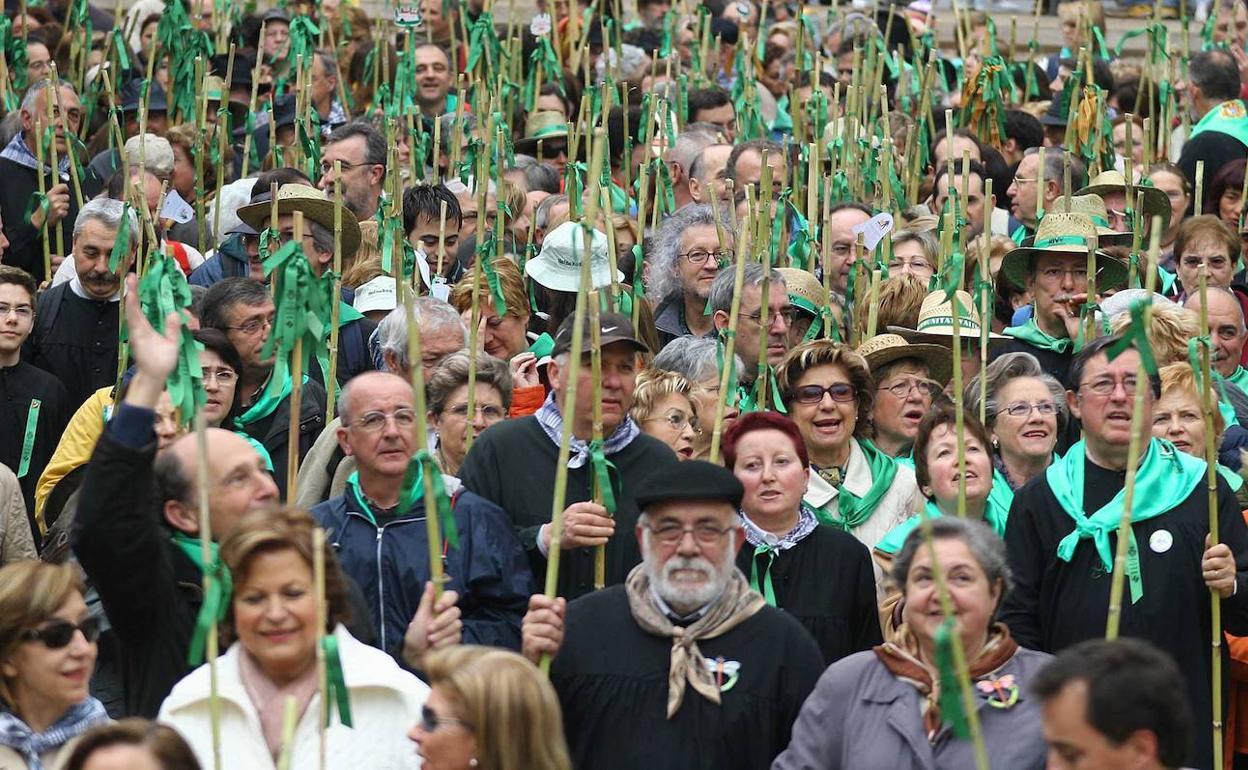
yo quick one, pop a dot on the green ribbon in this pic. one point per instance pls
(952, 709)
(853, 511)
(482, 39)
(1136, 336)
(421, 469)
(1033, 335)
(337, 695)
(28, 438)
(766, 588)
(303, 304)
(121, 247)
(163, 290)
(219, 586)
(38, 201)
(120, 47)
(602, 468)
(1163, 480)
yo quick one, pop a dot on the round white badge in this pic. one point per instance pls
(1160, 541)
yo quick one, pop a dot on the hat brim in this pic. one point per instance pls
(1111, 274)
(944, 341)
(1156, 202)
(934, 357)
(1055, 121)
(524, 145)
(558, 280)
(319, 211)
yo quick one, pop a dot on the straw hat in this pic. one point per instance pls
(1156, 202)
(883, 349)
(935, 324)
(558, 265)
(314, 205)
(540, 126)
(805, 291)
(1061, 233)
(1094, 207)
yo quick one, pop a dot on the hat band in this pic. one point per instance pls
(945, 320)
(1060, 240)
(1099, 220)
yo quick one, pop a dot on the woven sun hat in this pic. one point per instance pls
(558, 265)
(314, 204)
(804, 289)
(540, 126)
(935, 324)
(1061, 233)
(1156, 202)
(883, 349)
(1094, 206)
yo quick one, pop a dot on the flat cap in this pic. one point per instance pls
(690, 480)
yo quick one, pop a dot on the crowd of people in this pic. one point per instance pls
(700, 385)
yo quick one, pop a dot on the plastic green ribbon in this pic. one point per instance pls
(421, 469)
(543, 56)
(302, 309)
(40, 202)
(602, 468)
(119, 46)
(765, 587)
(163, 290)
(216, 593)
(121, 249)
(952, 709)
(337, 695)
(1033, 335)
(491, 275)
(483, 42)
(1136, 336)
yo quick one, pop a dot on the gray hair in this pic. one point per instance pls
(537, 175)
(664, 276)
(1004, 369)
(107, 212)
(697, 167)
(452, 374)
(322, 237)
(697, 358)
(983, 543)
(329, 64)
(542, 215)
(432, 314)
(722, 286)
(32, 93)
(374, 141)
(689, 145)
(1055, 167)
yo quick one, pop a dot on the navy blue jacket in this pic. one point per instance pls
(489, 570)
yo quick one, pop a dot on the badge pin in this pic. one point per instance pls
(726, 672)
(1160, 541)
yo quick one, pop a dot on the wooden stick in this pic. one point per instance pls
(296, 392)
(727, 387)
(595, 362)
(205, 548)
(416, 372)
(322, 674)
(335, 311)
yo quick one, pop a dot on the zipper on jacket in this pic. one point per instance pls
(381, 584)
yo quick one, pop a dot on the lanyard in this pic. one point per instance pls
(28, 441)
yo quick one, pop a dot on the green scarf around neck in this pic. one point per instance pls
(1239, 378)
(217, 596)
(996, 513)
(264, 406)
(1033, 335)
(1164, 479)
(853, 511)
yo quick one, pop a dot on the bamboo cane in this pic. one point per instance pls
(75, 180)
(416, 373)
(1200, 185)
(335, 310)
(205, 546)
(251, 104)
(44, 227)
(296, 392)
(595, 362)
(322, 673)
(53, 161)
(727, 387)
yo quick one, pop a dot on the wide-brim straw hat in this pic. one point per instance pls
(804, 290)
(558, 265)
(1094, 207)
(1156, 202)
(1061, 233)
(935, 324)
(883, 349)
(314, 205)
(541, 126)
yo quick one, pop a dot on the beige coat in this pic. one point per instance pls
(16, 542)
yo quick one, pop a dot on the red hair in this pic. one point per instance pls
(752, 421)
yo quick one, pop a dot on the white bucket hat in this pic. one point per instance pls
(558, 265)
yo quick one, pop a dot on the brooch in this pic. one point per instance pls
(726, 672)
(1001, 693)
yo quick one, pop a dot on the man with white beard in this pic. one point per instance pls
(682, 666)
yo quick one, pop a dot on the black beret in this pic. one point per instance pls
(690, 480)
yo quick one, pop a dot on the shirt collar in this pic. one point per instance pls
(672, 615)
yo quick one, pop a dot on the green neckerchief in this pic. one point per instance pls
(1021, 235)
(853, 511)
(1033, 335)
(996, 512)
(1164, 479)
(1229, 117)
(1233, 479)
(1168, 280)
(1239, 378)
(264, 406)
(216, 597)
(353, 487)
(347, 314)
(764, 587)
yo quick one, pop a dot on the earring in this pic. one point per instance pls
(995, 443)
(473, 762)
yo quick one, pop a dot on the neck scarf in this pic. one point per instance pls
(1033, 335)
(264, 406)
(366, 506)
(1239, 378)
(552, 425)
(269, 698)
(767, 544)
(902, 659)
(1164, 479)
(853, 510)
(217, 598)
(18, 152)
(18, 736)
(734, 606)
(996, 513)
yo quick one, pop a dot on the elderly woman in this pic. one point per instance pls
(853, 485)
(790, 557)
(47, 654)
(1179, 418)
(1026, 414)
(448, 404)
(881, 709)
(665, 406)
(132, 743)
(489, 708)
(697, 358)
(273, 619)
(906, 378)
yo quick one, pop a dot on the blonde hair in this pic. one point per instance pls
(900, 299)
(998, 246)
(808, 355)
(1073, 10)
(30, 593)
(509, 279)
(1179, 377)
(510, 707)
(653, 385)
(1169, 330)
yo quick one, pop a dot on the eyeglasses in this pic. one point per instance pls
(915, 264)
(371, 422)
(699, 256)
(789, 314)
(1024, 409)
(1106, 386)
(490, 412)
(813, 394)
(677, 420)
(430, 721)
(59, 633)
(220, 376)
(1055, 274)
(254, 325)
(902, 388)
(670, 533)
(21, 311)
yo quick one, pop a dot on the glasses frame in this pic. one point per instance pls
(48, 634)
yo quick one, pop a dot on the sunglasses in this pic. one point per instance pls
(430, 721)
(59, 633)
(813, 394)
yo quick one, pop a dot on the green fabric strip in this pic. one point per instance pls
(217, 592)
(766, 587)
(1033, 335)
(853, 511)
(28, 438)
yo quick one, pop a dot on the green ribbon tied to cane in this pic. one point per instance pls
(483, 43)
(121, 248)
(602, 468)
(163, 290)
(336, 696)
(302, 306)
(40, 202)
(211, 611)
(1136, 336)
(952, 709)
(422, 469)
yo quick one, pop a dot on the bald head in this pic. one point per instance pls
(238, 481)
(362, 391)
(1226, 327)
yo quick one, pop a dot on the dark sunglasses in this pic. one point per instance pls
(60, 633)
(430, 721)
(813, 394)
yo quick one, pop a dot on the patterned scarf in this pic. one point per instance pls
(734, 606)
(18, 736)
(768, 545)
(552, 424)
(18, 152)
(901, 657)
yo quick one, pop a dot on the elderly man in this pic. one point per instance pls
(433, 81)
(75, 336)
(745, 164)
(683, 666)
(1025, 194)
(361, 149)
(706, 174)
(842, 219)
(1226, 331)
(1063, 529)
(680, 159)
(1219, 122)
(687, 257)
(137, 530)
(20, 169)
(325, 469)
(323, 92)
(381, 541)
(751, 325)
(513, 463)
